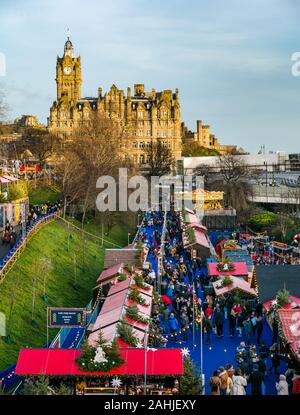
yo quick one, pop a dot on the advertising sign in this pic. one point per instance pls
(66, 317)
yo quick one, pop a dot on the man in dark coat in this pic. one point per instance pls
(256, 380)
(219, 320)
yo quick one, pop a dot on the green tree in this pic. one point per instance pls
(195, 150)
(262, 221)
(191, 383)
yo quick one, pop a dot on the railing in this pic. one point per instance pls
(13, 254)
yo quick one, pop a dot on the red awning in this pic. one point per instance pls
(62, 362)
(240, 269)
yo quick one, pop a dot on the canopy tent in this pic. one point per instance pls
(290, 325)
(240, 270)
(238, 284)
(62, 362)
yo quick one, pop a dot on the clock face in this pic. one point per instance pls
(67, 70)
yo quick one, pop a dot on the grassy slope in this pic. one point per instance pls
(118, 234)
(50, 242)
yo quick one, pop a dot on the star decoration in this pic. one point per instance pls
(185, 352)
(116, 382)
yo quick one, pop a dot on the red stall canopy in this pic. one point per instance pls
(240, 269)
(62, 362)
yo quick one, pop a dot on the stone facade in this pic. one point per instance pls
(204, 138)
(146, 116)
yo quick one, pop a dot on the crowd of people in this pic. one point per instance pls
(266, 254)
(184, 304)
(251, 369)
(11, 233)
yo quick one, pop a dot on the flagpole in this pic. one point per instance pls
(145, 362)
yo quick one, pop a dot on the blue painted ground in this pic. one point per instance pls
(220, 351)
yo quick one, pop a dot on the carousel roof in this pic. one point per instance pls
(62, 362)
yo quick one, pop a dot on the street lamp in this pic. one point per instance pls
(128, 237)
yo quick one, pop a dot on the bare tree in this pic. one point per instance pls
(159, 159)
(232, 168)
(40, 143)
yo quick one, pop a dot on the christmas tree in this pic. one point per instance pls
(191, 380)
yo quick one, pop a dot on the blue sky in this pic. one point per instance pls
(230, 59)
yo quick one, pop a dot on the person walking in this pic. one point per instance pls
(215, 383)
(239, 383)
(256, 380)
(219, 320)
(174, 326)
(248, 329)
(259, 328)
(208, 328)
(223, 375)
(232, 322)
(275, 358)
(282, 386)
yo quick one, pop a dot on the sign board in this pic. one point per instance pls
(66, 317)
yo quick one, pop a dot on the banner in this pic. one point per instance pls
(66, 317)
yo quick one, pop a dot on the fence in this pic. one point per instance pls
(13, 254)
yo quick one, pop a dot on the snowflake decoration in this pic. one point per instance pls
(116, 382)
(185, 352)
(139, 345)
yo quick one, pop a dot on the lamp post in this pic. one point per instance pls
(145, 361)
(128, 237)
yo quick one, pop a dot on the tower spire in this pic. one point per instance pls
(68, 49)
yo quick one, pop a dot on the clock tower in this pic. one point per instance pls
(68, 74)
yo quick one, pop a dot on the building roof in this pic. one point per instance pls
(294, 303)
(240, 269)
(272, 278)
(110, 273)
(237, 284)
(290, 322)
(124, 255)
(62, 362)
